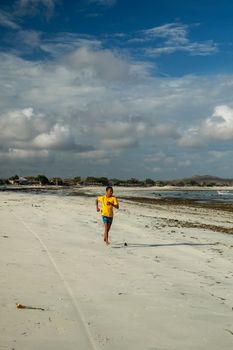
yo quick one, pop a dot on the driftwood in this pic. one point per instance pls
(20, 306)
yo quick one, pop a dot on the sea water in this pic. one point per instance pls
(201, 196)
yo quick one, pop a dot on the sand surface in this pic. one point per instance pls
(170, 288)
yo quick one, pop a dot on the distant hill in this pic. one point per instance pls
(205, 180)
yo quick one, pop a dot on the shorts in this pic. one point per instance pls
(107, 220)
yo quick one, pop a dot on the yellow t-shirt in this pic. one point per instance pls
(107, 209)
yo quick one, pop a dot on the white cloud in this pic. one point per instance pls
(62, 43)
(220, 124)
(29, 37)
(32, 7)
(121, 134)
(59, 137)
(102, 64)
(192, 137)
(175, 38)
(21, 125)
(219, 127)
(174, 33)
(94, 155)
(7, 21)
(87, 107)
(18, 154)
(194, 49)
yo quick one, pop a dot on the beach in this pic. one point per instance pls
(169, 288)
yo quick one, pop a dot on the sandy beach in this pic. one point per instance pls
(170, 288)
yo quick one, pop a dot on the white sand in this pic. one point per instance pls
(169, 289)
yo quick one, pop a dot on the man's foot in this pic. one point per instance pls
(107, 242)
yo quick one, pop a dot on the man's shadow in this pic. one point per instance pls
(147, 245)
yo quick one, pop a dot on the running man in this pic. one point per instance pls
(108, 203)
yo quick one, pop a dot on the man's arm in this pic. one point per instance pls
(115, 204)
(97, 204)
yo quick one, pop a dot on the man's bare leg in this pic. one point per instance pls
(106, 230)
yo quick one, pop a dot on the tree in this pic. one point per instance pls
(103, 180)
(77, 179)
(115, 182)
(134, 182)
(161, 183)
(42, 179)
(30, 178)
(15, 177)
(97, 180)
(193, 183)
(57, 181)
(149, 182)
(90, 180)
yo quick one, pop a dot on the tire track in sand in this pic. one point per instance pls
(90, 344)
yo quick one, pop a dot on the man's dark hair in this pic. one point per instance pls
(108, 188)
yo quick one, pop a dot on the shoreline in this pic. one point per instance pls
(183, 202)
(93, 192)
(4, 188)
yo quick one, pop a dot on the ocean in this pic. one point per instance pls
(200, 196)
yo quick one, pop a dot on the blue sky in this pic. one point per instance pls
(116, 88)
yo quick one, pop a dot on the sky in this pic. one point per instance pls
(116, 88)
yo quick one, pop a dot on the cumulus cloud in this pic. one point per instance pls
(192, 137)
(220, 124)
(102, 64)
(121, 134)
(59, 137)
(92, 106)
(21, 125)
(22, 154)
(219, 127)
(24, 133)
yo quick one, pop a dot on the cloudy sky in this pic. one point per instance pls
(116, 88)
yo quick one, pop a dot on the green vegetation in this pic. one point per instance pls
(42, 179)
(203, 181)
(56, 181)
(15, 177)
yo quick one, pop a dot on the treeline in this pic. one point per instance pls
(42, 180)
(77, 180)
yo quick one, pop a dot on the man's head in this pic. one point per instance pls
(109, 191)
